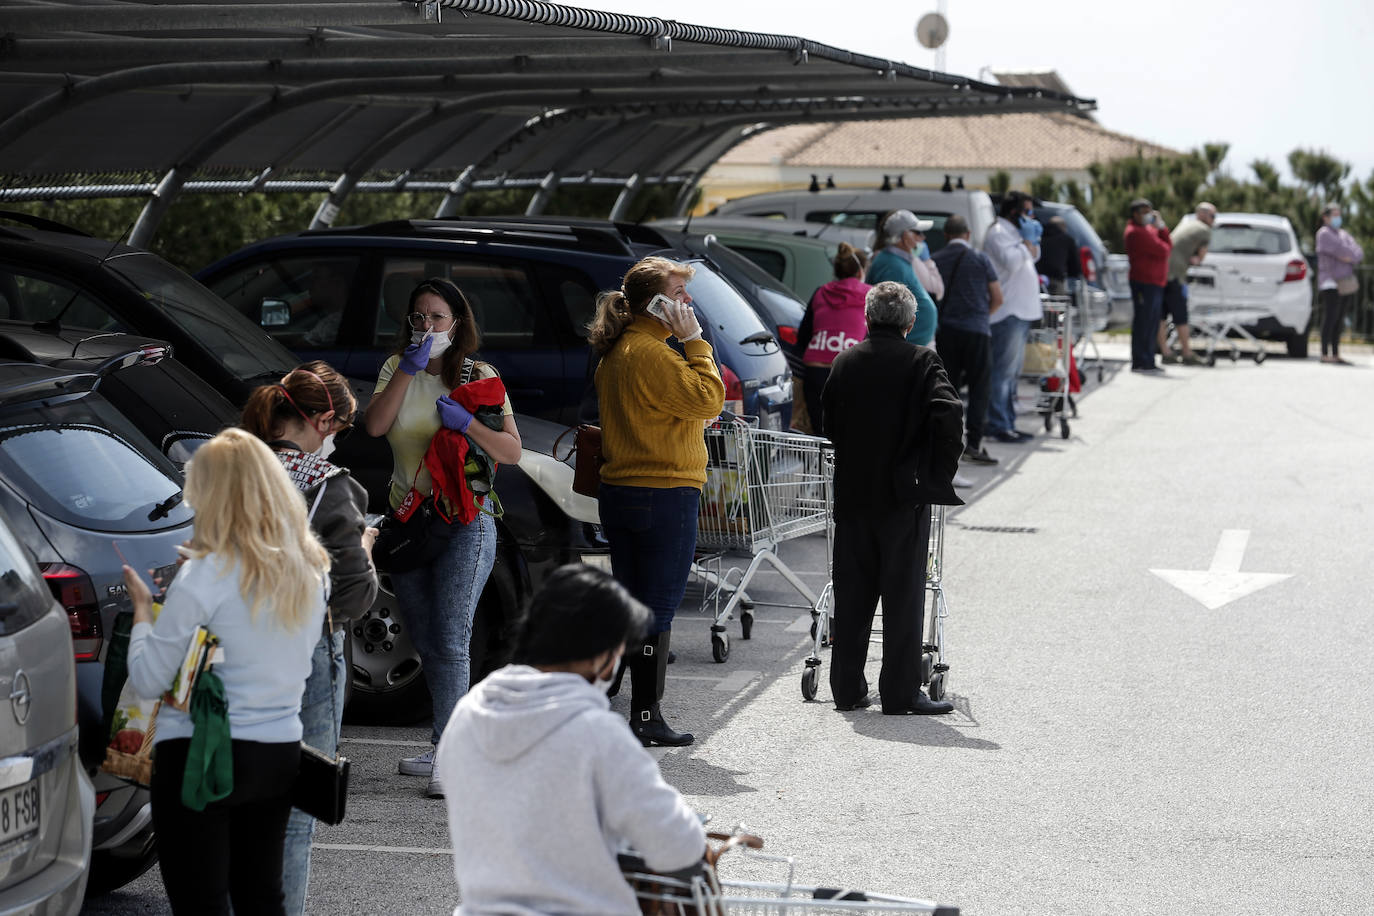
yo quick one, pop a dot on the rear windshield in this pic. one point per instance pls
(1241, 239)
(732, 318)
(242, 347)
(79, 461)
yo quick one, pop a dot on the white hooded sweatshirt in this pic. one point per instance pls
(544, 786)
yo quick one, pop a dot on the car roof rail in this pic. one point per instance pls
(38, 222)
(542, 234)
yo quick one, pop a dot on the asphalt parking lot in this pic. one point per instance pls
(1143, 724)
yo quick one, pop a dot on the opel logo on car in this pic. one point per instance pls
(20, 699)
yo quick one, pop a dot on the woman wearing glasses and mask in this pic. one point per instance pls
(410, 404)
(301, 418)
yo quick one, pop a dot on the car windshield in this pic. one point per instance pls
(79, 461)
(732, 319)
(935, 235)
(241, 346)
(1236, 238)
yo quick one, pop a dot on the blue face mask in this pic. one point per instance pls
(923, 251)
(1335, 222)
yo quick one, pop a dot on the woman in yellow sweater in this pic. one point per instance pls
(653, 401)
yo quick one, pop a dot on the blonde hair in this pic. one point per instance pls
(616, 308)
(247, 510)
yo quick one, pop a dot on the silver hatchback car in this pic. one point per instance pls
(47, 802)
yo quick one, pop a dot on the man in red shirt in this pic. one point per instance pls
(1148, 246)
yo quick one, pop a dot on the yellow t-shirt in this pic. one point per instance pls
(416, 423)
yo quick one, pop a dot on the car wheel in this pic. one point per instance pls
(110, 872)
(1297, 345)
(387, 683)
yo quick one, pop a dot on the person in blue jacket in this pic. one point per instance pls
(901, 233)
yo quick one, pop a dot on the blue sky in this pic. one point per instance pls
(1264, 76)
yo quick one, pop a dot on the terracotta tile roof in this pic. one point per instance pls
(1052, 141)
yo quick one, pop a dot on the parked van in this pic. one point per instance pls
(861, 209)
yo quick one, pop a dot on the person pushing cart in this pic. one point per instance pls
(897, 426)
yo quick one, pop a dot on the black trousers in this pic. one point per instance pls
(967, 356)
(231, 851)
(1334, 306)
(880, 554)
(813, 383)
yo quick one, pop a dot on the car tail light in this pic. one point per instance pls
(787, 334)
(734, 391)
(1296, 270)
(1085, 254)
(73, 590)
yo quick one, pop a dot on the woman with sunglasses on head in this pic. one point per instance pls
(301, 417)
(409, 406)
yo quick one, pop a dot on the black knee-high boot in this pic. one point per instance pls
(648, 674)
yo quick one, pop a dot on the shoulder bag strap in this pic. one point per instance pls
(318, 496)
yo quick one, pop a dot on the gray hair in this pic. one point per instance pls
(890, 305)
(1205, 208)
(1331, 207)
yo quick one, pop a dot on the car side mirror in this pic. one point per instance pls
(275, 313)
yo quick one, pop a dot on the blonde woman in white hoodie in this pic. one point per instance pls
(584, 787)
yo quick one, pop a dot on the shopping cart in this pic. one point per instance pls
(934, 668)
(1050, 361)
(1220, 322)
(757, 884)
(763, 487)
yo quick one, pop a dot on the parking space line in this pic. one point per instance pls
(736, 681)
(385, 742)
(692, 677)
(367, 847)
(801, 625)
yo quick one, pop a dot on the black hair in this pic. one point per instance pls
(1013, 204)
(578, 613)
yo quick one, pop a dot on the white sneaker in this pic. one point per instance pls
(435, 789)
(961, 481)
(419, 765)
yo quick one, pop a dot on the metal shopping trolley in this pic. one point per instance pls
(756, 884)
(934, 667)
(763, 487)
(1050, 361)
(1220, 322)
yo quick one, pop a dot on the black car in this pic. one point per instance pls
(342, 294)
(53, 279)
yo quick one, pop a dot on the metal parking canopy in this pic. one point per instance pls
(153, 99)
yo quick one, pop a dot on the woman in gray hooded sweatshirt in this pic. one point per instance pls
(549, 783)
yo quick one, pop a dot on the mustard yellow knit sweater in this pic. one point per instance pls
(653, 403)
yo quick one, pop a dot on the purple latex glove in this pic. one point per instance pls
(452, 414)
(416, 356)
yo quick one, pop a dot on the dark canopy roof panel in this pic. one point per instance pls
(442, 94)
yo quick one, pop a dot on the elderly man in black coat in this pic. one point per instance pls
(897, 426)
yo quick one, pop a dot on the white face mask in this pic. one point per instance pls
(326, 447)
(440, 338)
(602, 684)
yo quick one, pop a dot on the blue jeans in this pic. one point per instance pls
(321, 719)
(1008, 353)
(438, 602)
(652, 535)
(1147, 300)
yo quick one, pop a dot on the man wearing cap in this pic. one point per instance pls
(901, 232)
(1148, 246)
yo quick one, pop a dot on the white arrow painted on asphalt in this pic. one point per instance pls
(1222, 582)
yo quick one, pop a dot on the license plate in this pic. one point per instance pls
(19, 813)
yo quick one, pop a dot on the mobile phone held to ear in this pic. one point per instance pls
(658, 307)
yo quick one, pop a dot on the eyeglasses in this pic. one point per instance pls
(417, 321)
(341, 428)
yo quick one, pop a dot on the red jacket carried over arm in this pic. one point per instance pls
(1148, 248)
(448, 450)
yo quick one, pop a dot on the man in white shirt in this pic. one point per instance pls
(1013, 246)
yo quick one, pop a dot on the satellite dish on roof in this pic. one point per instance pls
(932, 30)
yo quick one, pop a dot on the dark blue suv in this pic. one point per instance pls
(342, 294)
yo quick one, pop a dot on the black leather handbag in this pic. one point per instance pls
(405, 545)
(321, 787)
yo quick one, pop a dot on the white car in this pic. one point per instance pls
(1253, 264)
